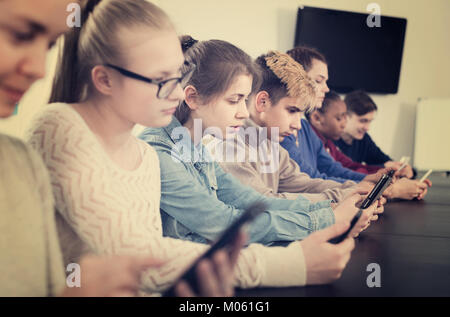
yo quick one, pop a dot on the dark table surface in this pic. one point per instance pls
(410, 243)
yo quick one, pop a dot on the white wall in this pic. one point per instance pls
(260, 25)
(431, 149)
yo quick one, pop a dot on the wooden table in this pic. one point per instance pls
(411, 244)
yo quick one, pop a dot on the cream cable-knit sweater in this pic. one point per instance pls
(107, 210)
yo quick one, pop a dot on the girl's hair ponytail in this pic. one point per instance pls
(183, 112)
(96, 43)
(65, 88)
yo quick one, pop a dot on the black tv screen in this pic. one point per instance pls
(359, 56)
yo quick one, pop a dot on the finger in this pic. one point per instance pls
(366, 215)
(423, 194)
(331, 231)
(373, 208)
(365, 227)
(348, 244)
(357, 198)
(182, 289)
(418, 192)
(428, 182)
(224, 273)
(379, 210)
(207, 280)
(362, 222)
(237, 246)
(360, 192)
(422, 186)
(374, 218)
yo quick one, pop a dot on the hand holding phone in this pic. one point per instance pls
(223, 243)
(342, 237)
(378, 189)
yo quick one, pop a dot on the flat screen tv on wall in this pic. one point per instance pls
(359, 56)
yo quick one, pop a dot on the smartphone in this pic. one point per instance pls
(340, 238)
(402, 167)
(378, 190)
(224, 242)
(426, 175)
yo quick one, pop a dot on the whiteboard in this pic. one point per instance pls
(432, 136)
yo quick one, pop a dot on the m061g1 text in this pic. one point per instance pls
(246, 306)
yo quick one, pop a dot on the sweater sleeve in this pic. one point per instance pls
(81, 187)
(56, 275)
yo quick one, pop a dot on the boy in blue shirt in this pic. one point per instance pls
(307, 149)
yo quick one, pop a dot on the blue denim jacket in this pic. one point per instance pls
(199, 200)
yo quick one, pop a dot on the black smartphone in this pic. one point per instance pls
(340, 238)
(378, 190)
(225, 241)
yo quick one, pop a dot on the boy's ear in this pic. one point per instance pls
(262, 101)
(191, 97)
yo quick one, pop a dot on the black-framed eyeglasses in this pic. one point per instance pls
(165, 87)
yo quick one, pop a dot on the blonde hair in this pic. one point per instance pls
(294, 76)
(96, 43)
